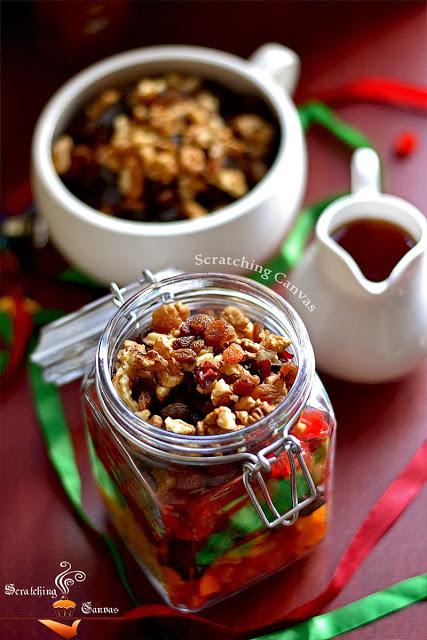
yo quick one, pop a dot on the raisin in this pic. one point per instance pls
(233, 354)
(177, 411)
(263, 367)
(266, 392)
(289, 371)
(183, 343)
(189, 382)
(200, 322)
(217, 333)
(198, 345)
(187, 330)
(144, 400)
(164, 320)
(206, 374)
(185, 356)
(244, 386)
(256, 333)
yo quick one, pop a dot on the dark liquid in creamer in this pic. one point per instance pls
(376, 245)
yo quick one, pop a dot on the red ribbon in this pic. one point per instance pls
(380, 518)
(22, 322)
(379, 90)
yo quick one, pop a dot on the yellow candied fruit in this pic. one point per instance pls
(311, 529)
(132, 533)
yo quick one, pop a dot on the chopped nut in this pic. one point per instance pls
(156, 421)
(222, 394)
(122, 385)
(192, 159)
(272, 342)
(131, 178)
(245, 403)
(105, 100)
(61, 154)
(235, 317)
(193, 209)
(149, 88)
(179, 426)
(233, 182)
(144, 415)
(161, 166)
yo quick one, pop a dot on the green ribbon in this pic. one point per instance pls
(60, 450)
(6, 335)
(310, 112)
(74, 275)
(316, 112)
(357, 614)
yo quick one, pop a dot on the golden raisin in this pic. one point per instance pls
(166, 318)
(244, 386)
(144, 400)
(266, 392)
(233, 354)
(289, 371)
(200, 322)
(217, 333)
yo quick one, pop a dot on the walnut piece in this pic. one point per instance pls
(179, 426)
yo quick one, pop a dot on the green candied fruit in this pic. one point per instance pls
(246, 522)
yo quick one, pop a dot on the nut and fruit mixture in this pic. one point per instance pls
(204, 374)
(168, 148)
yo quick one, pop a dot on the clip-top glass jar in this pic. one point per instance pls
(206, 516)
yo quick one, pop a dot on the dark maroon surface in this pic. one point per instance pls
(379, 427)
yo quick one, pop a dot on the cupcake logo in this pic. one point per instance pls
(63, 581)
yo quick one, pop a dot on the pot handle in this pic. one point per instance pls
(280, 62)
(365, 172)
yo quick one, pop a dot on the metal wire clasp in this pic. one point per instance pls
(253, 471)
(118, 299)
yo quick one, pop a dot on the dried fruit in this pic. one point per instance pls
(206, 374)
(289, 372)
(233, 354)
(169, 316)
(183, 343)
(144, 400)
(267, 392)
(218, 333)
(185, 356)
(200, 322)
(176, 410)
(263, 367)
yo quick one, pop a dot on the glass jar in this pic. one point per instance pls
(206, 516)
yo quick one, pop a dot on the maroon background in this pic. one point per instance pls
(380, 427)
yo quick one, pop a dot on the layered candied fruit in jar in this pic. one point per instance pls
(193, 527)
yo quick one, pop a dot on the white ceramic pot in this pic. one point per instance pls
(252, 227)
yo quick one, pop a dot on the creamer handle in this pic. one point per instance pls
(365, 171)
(280, 62)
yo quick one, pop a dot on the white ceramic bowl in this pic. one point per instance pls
(252, 227)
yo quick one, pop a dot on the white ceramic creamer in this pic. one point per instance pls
(365, 331)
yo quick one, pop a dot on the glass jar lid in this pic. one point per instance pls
(67, 347)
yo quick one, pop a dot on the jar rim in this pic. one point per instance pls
(157, 441)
